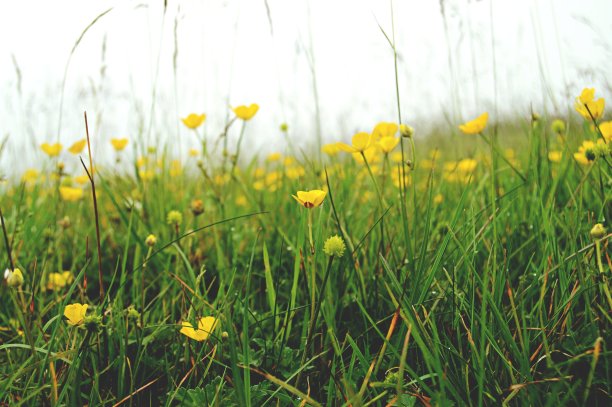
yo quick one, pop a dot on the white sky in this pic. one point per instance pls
(504, 57)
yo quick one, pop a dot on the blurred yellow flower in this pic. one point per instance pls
(30, 175)
(438, 199)
(606, 130)
(206, 326)
(310, 199)
(586, 102)
(330, 149)
(475, 126)
(146, 175)
(193, 152)
(396, 177)
(274, 157)
(259, 172)
(295, 172)
(371, 154)
(56, 281)
(360, 142)
(241, 201)
(459, 171)
(119, 143)
(259, 185)
(246, 112)
(78, 146)
(81, 179)
(384, 129)
(387, 144)
(586, 153)
(555, 156)
(193, 120)
(71, 194)
(75, 313)
(52, 150)
(176, 168)
(396, 157)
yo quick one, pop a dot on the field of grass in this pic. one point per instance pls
(469, 270)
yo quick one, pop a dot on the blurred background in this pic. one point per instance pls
(324, 67)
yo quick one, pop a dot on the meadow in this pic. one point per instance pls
(469, 269)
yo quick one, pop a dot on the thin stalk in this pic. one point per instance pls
(6, 241)
(95, 204)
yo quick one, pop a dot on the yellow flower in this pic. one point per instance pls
(460, 171)
(310, 199)
(360, 142)
(384, 129)
(241, 201)
(52, 150)
(193, 120)
(396, 157)
(246, 112)
(175, 168)
(30, 175)
(295, 172)
(81, 179)
(371, 154)
(555, 156)
(330, 149)
(119, 143)
(586, 153)
(206, 326)
(387, 144)
(606, 130)
(75, 313)
(438, 199)
(396, 177)
(475, 126)
(587, 100)
(146, 175)
(274, 157)
(259, 185)
(193, 152)
(77, 147)
(71, 194)
(55, 281)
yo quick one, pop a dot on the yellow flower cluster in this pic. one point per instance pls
(459, 171)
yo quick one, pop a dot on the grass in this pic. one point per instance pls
(474, 281)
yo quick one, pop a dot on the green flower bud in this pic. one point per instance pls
(334, 246)
(174, 218)
(151, 240)
(406, 131)
(13, 278)
(598, 231)
(558, 126)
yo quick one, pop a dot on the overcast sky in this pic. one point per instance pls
(474, 56)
